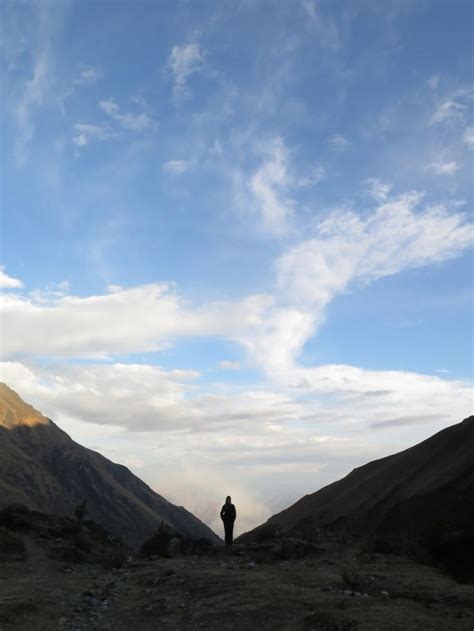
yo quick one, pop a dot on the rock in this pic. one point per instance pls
(384, 594)
(347, 592)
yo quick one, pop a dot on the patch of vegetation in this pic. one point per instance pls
(15, 517)
(351, 578)
(12, 546)
(267, 532)
(454, 551)
(324, 621)
(159, 543)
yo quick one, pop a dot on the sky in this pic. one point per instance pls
(236, 236)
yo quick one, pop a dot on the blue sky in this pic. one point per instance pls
(236, 235)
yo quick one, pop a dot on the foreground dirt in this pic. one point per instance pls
(237, 590)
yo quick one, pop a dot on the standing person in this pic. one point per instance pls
(228, 515)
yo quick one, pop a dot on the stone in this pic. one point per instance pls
(384, 594)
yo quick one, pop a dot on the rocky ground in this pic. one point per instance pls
(329, 586)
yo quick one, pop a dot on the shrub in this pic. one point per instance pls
(158, 544)
(351, 577)
(12, 547)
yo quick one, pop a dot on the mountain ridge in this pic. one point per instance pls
(42, 467)
(393, 492)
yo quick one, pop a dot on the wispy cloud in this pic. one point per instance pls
(176, 167)
(34, 95)
(450, 111)
(468, 137)
(87, 76)
(183, 62)
(228, 364)
(322, 24)
(443, 168)
(340, 142)
(314, 175)
(127, 120)
(269, 186)
(85, 132)
(433, 81)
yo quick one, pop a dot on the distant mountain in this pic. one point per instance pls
(43, 468)
(427, 487)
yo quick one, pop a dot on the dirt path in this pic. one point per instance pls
(234, 592)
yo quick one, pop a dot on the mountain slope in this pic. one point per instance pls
(428, 484)
(42, 467)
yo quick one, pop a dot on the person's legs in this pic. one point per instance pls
(229, 532)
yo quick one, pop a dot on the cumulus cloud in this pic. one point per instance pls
(377, 189)
(183, 62)
(143, 318)
(347, 248)
(198, 445)
(8, 282)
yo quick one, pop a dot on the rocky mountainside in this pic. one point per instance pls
(44, 469)
(424, 491)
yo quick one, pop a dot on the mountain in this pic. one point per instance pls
(43, 468)
(426, 488)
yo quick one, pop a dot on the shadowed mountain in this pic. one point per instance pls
(422, 492)
(43, 468)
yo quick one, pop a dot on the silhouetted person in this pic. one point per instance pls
(228, 515)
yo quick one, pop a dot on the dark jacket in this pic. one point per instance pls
(228, 513)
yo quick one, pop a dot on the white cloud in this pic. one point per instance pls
(176, 167)
(397, 236)
(144, 318)
(85, 132)
(248, 442)
(444, 168)
(449, 111)
(8, 282)
(322, 25)
(468, 137)
(228, 364)
(87, 76)
(433, 81)
(34, 95)
(127, 120)
(183, 62)
(269, 187)
(338, 141)
(315, 174)
(378, 189)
